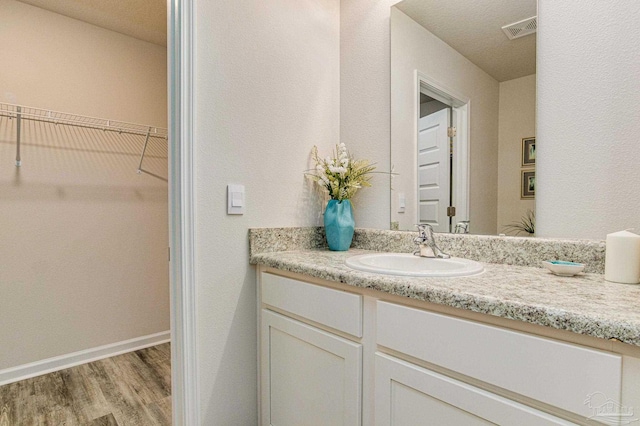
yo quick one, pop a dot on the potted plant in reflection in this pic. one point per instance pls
(526, 225)
(341, 176)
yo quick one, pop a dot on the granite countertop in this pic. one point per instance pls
(585, 304)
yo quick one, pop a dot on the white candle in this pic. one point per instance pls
(622, 262)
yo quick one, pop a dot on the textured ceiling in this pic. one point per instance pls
(474, 28)
(143, 19)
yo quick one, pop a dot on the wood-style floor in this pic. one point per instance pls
(131, 389)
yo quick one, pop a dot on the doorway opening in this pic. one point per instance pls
(86, 273)
(441, 142)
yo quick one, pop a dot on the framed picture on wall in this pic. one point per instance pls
(528, 151)
(528, 185)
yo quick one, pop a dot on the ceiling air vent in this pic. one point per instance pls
(521, 28)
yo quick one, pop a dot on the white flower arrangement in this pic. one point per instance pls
(341, 175)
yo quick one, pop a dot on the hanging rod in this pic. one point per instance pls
(21, 112)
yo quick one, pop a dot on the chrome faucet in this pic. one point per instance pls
(462, 227)
(427, 246)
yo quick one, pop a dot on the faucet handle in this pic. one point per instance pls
(424, 230)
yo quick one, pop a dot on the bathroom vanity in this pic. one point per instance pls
(513, 345)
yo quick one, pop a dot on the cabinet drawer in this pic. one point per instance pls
(559, 374)
(334, 308)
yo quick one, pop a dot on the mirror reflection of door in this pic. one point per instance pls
(434, 165)
(493, 76)
(442, 153)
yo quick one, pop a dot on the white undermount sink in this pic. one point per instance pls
(407, 264)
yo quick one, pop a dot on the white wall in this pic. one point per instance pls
(415, 48)
(83, 237)
(268, 87)
(517, 120)
(588, 128)
(365, 99)
(67, 65)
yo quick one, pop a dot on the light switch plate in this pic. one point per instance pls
(235, 199)
(402, 202)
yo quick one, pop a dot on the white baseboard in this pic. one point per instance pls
(49, 365)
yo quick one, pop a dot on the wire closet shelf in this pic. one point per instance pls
(21, 112)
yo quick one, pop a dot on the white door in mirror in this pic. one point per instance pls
(433, 170)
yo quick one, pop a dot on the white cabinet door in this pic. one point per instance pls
(407, 394)
(308, 376)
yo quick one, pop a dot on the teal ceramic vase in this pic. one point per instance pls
(339, 224)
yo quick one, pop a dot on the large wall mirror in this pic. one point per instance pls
(463, 125)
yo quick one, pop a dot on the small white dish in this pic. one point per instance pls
(563, 268)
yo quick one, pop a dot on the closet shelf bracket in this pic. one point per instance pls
(18, 135)
(144, 149)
